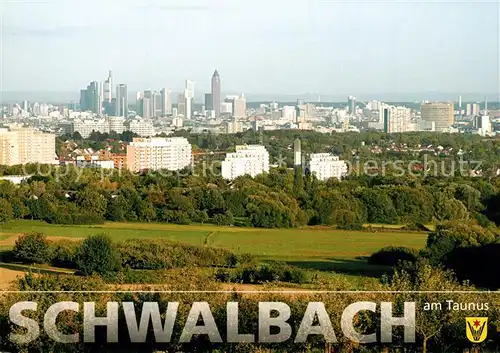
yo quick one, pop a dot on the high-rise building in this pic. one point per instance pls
(166, 99)
(146, 107)
(91, 98)
(326, 166)
(289, 113)
(181, 104)
(188, 96)
(351, 104)
(396, 119)
(158, 154)
(108, 88)
(442, 113)
(239, 107)
(22, 145)
(482, 124)
(216, 93)
(83, 101)
(247, 160)
(208, 101)
(121, 100)
(156, 104)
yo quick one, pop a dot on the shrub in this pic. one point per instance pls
(271, 272)
(64, 253)
(97, 254)
(32, 248)
(392, 256)
(155, 254)
(223, 219)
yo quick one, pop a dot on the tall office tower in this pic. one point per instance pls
(121, 100)
(146, 108)
(188, 97)
(108, 88)
(240, 107)
(247, 160)
(351, 104)
(289, 113)
(93, 97)
(442, 113)
(181, 105)
(158, 153)
(297, 153)
(216, 92)
(208, 101)
(166, 102)
(460, 104)
(83, 100)
(156, 104)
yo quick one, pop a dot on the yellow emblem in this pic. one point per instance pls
(477, 328)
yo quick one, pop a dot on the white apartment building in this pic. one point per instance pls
(23, 145)
(247, 160)
(482, 124)
(116, 124)
(326, 166)
(87, 126)
(143, 128)
(158, 153)
(289, 113)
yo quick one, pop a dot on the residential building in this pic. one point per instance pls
(23, 145)
(482, 124)
(86, 126)
(158, 154)
(247, 160)
(141, 127)
(396, 119)
(326, 166)
(116, 124)
(442, 113)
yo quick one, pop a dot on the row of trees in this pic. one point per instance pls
(282, 198)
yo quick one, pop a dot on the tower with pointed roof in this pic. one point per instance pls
(216, 92)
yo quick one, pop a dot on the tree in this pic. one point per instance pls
(32, 248)
(98, 254)
(224, 219)
(6, 213)
(91, 201)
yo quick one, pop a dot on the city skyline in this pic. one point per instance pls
(335, 48)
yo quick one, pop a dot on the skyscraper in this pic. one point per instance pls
(121, 100)
(239, 107)
(216, 91)
(108, 88)
(166, 99)
(351, 104)
(188, 96)
(94, 102)
(208, 101)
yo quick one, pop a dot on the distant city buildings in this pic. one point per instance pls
(24, 145)
(326, 166)
(396, 119)
(441, 113)
(158, 153)
(121, 100)
(249, 160)
(351, 104)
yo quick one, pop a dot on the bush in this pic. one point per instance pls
(223, 219)
(64, 253)
(97, 254)
(155, 254)
(74, 219)
(271, 272)
(392, 256)
(32, 248)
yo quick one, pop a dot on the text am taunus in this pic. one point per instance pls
(271, 314)
(455, 306)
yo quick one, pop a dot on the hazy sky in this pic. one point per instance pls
(272, 46)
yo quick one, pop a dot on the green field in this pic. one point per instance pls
(321, 249)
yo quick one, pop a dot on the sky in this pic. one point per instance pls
(272, 47)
